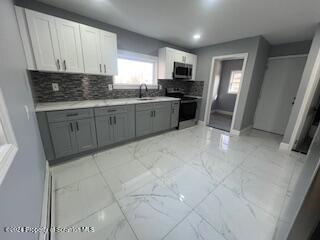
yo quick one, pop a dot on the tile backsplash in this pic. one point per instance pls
(75, 87)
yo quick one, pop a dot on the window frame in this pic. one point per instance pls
(231, 81)
(138, 57)
(9, 149)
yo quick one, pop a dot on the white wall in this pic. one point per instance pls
(257, 49)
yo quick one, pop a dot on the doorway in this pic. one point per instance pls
(310, 125)
(278, 92)
(224, 90)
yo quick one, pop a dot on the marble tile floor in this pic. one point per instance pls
(196, 183)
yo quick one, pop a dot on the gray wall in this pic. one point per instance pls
(287, 49)
(226, 101)
(257, 49)
(314, 50)
(127, 40)
(22, 189)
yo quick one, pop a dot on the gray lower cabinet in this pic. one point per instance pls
(152, 118)
(104, 130)
(70, 137)
(69, 132)
(114, 124)
(162, 117)
(63, 138)
(175, 107)
(144, 122)
(85, 134)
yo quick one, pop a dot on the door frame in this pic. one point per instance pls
(306, 103)
(215, 61)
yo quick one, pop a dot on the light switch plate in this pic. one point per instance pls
(110, 87)
(55, 87)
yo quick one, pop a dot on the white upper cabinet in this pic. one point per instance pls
(167, 57)
(70, 45)
(58, 45)
(44, 41)
(90, 39)
(108, 44)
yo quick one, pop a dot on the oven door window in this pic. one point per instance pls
(188, 111)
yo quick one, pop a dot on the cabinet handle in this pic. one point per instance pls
(110, 120)
(100, 67)
(172, 110)
(71, 127)
(151, 113)
(115, 120)
(154, 113)
(58, 64)
(72, 114)
(65, 65)
(105, 68)
(77, 125)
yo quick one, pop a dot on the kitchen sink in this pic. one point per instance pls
(145, 99)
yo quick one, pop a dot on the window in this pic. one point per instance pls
(235, 80)
(8, 145)
(135, 69)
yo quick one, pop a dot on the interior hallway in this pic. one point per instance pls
(220, 121)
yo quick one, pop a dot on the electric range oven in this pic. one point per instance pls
(188, 107)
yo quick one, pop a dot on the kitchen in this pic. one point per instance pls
(110, 124)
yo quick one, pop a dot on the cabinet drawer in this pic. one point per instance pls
(162, 104)
(110, 110)
(59, 116)
(145, 106)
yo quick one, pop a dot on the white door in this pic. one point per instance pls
(91, 49)
(70, 45)
(44, 41)
(279, 89)
(108, 43)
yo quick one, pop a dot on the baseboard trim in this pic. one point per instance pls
(223, 112)
(241, 132)
(46, 204)
(201, 123)
(284, 146)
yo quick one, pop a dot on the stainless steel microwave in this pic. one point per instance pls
(182, 70)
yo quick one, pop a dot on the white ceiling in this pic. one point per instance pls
(176, 21)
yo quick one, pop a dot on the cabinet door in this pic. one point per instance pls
(63, 138)
(175, 114)
(86, 134)
(70, 45)
(144, 122)
(91, 49)
(108, 43)
(162, 117)
(44, 41)
(104, 130)
(121, 127)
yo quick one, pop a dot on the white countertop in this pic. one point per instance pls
(55, 106)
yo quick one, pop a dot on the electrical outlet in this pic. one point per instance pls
(160, 87)
(55, 87)
(110, 87)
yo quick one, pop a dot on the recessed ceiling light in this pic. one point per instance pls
(196, 36)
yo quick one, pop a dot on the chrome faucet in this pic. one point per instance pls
(140, 92)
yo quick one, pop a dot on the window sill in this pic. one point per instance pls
(132, 86)
(7, 155)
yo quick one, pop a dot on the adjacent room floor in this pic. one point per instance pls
(220, 121)
(196, 183)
